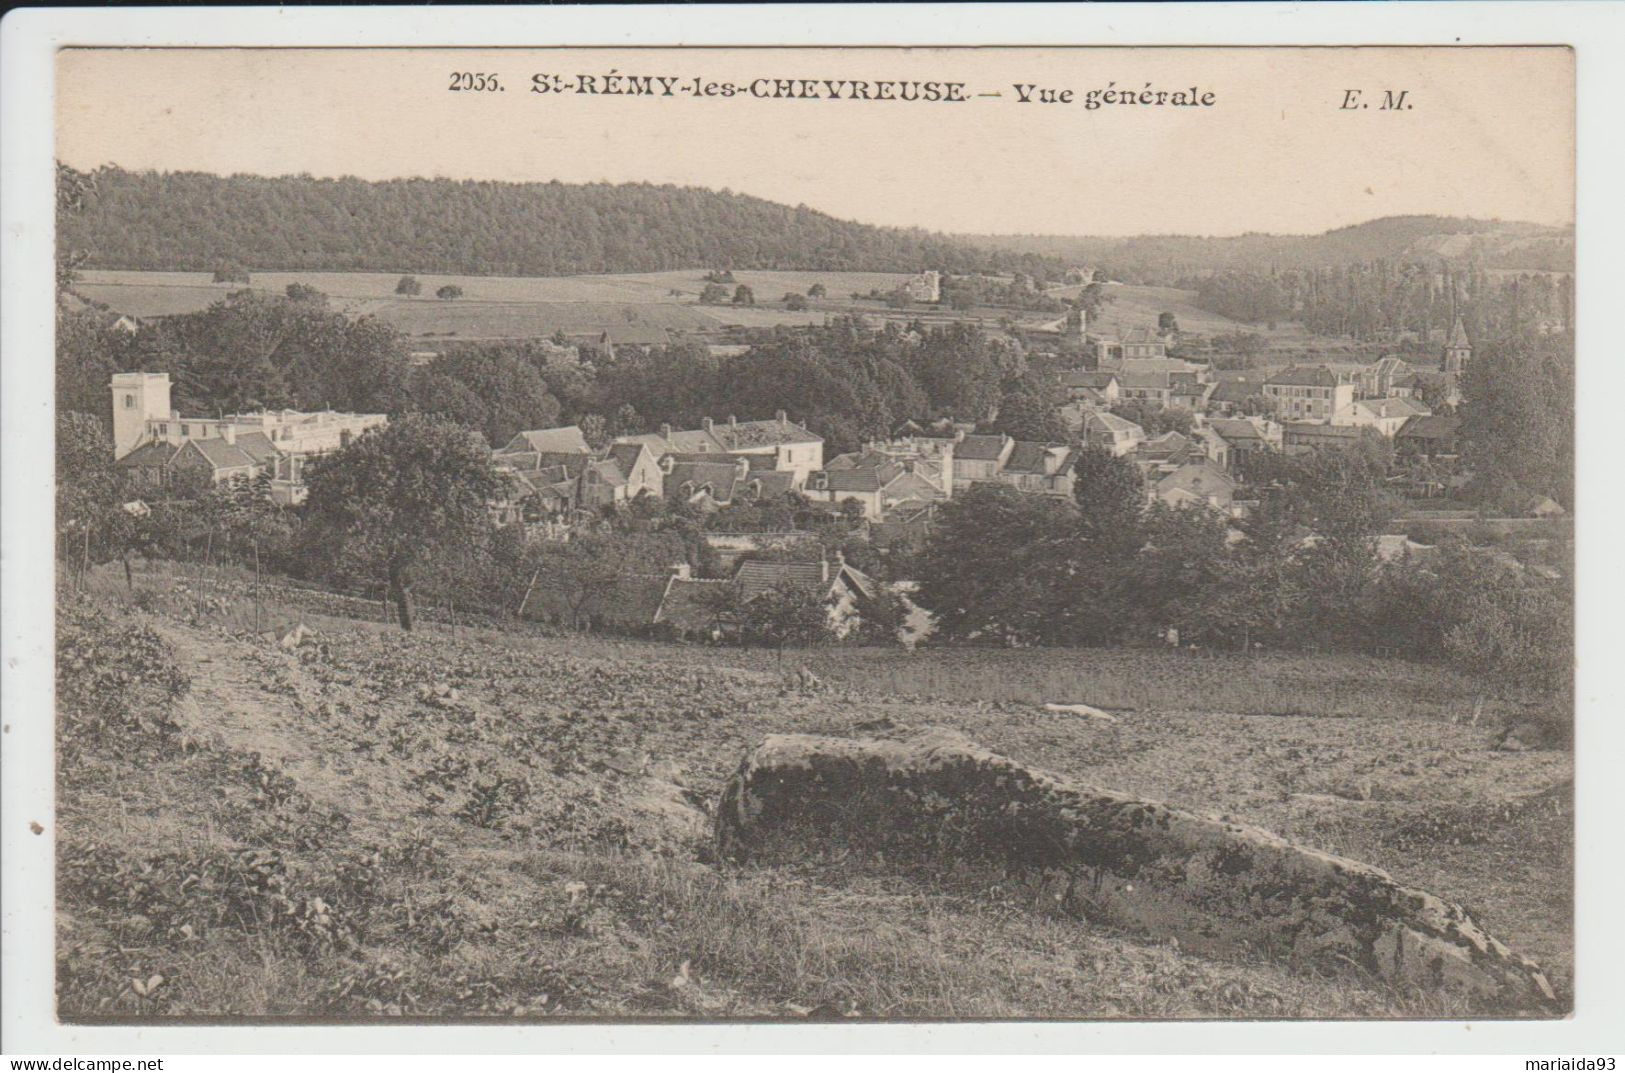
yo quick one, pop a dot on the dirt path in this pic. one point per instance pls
(255, 697)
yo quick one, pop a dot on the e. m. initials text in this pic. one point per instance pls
(1392, 100)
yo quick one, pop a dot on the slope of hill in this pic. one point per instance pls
(200, 222)
(474, 822)
(1149, 258)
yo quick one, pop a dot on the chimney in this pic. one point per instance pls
(229, 431)
(784, 422)
(705, 423)
(742, 467)
(732, 423)
(840, 560)
(823, 569)
(665, 432)
(666, 462)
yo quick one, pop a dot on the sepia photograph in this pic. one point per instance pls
(813, 534)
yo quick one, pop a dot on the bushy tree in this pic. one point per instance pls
(408, 286)
(995, 567)
(89, 487)
(253, 350)
(491, 391)
(1517, 415)
(397, 495)
(1111, 498)
(449, 291)
(1029, 409)
(713, 294)
(795, 303)
(788, 616)
(744, 296)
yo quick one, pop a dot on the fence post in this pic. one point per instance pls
(256, 586)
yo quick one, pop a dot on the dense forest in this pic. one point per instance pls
(1369, 300)
(1161, 259)
(189, 221)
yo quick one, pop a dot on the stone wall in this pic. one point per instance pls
(1214, 886)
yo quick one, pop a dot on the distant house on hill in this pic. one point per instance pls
(924, 287)
(1136, 344)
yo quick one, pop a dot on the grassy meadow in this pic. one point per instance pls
(506, 307)
(475, 820)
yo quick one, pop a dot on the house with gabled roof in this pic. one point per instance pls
(695, 608)
(1302, 437)
(1041, 468)
(1308, 393)
(1090, 385)
(1196, 483)
(1386, 415)
(1116, 434)
(789, 446)
(845, 589)
(1429, 436)
(1231, 394)
(566, 440)
(1234, 443)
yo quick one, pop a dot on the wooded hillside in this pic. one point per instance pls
(1431, 239)
(189, 221)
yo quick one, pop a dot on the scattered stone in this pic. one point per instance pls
(1214, 886)
(1081, 709)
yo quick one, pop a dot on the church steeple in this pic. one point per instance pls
(1458, 349)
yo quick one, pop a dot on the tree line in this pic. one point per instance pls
(1375, 299)
(1300, 570)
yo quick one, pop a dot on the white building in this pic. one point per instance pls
(1387, 416)
(925, 287)
(143, 417)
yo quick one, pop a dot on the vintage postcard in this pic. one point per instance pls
(814, 534)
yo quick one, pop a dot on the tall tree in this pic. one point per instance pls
(996, 566)
(1517, 416)
(398, 494)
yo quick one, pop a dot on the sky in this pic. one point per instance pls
(1483, 132)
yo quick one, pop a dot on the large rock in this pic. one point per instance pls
(1215, 887)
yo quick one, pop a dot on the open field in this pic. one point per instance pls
(1138, 307)
(633, 308)
(471, 821)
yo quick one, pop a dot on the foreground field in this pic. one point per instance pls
(466, 822)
